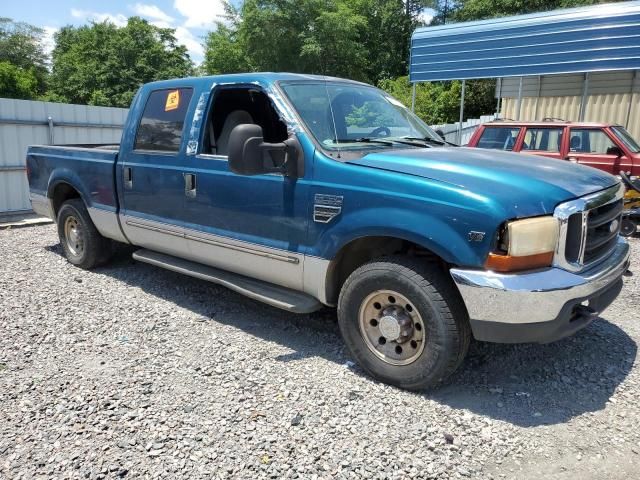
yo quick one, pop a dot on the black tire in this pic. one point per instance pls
(446, 327)
(93, 249)
(628, 227)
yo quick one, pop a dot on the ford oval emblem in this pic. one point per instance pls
(613, 226)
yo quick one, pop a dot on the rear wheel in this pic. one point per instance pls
(82, 243)
(404, 322)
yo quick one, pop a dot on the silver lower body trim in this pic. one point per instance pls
(41, 205)
(107, 224)
(315, 278)
(272, 265)
(535, 297)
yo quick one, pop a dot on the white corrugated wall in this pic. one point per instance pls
(24, 123)
(612, 97)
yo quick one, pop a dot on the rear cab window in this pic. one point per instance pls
(162, 123)
(545, 139)
(499, 138)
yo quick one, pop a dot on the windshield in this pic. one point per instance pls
(626, 138)
(342, 115)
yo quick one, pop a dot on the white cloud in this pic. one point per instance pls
(200, 13)
(193, 44)
(426, 16)
(117, 19)
(153, 13)
(48, 41)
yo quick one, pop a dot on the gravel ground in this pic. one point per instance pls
(132, 371)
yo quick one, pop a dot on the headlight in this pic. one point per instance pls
(525, 244)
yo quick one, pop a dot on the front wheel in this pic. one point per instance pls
(82, 243)
(628, 227)
(403, 321)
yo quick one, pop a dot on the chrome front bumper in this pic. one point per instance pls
(538, 298)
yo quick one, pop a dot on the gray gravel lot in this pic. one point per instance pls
(132, 371)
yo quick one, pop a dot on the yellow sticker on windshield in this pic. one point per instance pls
(173, 101)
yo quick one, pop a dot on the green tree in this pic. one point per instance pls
(16, 82)
(365, 40)
(465, 10)
(307, 36)
(435, 102)
(225, 50)
(224, 53)
(21, 46)
(101, 64)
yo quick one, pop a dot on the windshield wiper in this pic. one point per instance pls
(431, 140)
(365, 140)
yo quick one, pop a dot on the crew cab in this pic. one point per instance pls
(306, 191)
(607, 147)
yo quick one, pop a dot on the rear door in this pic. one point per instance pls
(152, 173)
(595, 148)
(545, 141)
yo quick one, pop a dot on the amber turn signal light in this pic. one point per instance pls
(507, 263)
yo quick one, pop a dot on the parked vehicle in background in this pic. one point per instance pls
(302, 191)
(631, 213)
(603, 146)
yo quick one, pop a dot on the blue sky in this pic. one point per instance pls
(192, 19)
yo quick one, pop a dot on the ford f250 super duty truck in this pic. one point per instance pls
(302, 191)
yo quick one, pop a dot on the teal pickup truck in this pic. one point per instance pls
(302, 191)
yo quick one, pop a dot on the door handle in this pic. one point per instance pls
(128, 177)
(190, 184)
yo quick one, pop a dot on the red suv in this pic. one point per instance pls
(607, 147)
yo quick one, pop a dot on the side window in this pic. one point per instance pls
(233, 106)
(590, 141)
(162, 121)
(545, 139)
(498, 138)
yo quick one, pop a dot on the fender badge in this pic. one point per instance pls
(476, 236)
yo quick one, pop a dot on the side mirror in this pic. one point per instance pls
(615, 150)
(250, 155)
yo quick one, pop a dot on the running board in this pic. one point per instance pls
(274, 295)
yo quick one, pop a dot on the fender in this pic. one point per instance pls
(71, 178)
(445, 237)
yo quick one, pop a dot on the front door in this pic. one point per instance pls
(252, 225)
(593, 147)
(152, 174)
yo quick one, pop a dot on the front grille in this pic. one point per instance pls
(603, 226)
(589, 228)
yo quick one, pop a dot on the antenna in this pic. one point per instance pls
(333, 118)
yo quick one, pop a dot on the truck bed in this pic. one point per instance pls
(90, 167)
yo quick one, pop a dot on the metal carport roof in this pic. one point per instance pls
(578, 40)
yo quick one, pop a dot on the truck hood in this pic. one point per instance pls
(522, 184)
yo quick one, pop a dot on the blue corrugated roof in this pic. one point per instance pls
(590, 39)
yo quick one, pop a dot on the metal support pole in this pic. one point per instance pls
(50, 123)
(499, 98)
(413, 98)
(631, 95)
(585, 93)
(535, 116)
(519, 105)
(464, 85)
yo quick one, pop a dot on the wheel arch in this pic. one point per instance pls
(358, 251)
(62, 186)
